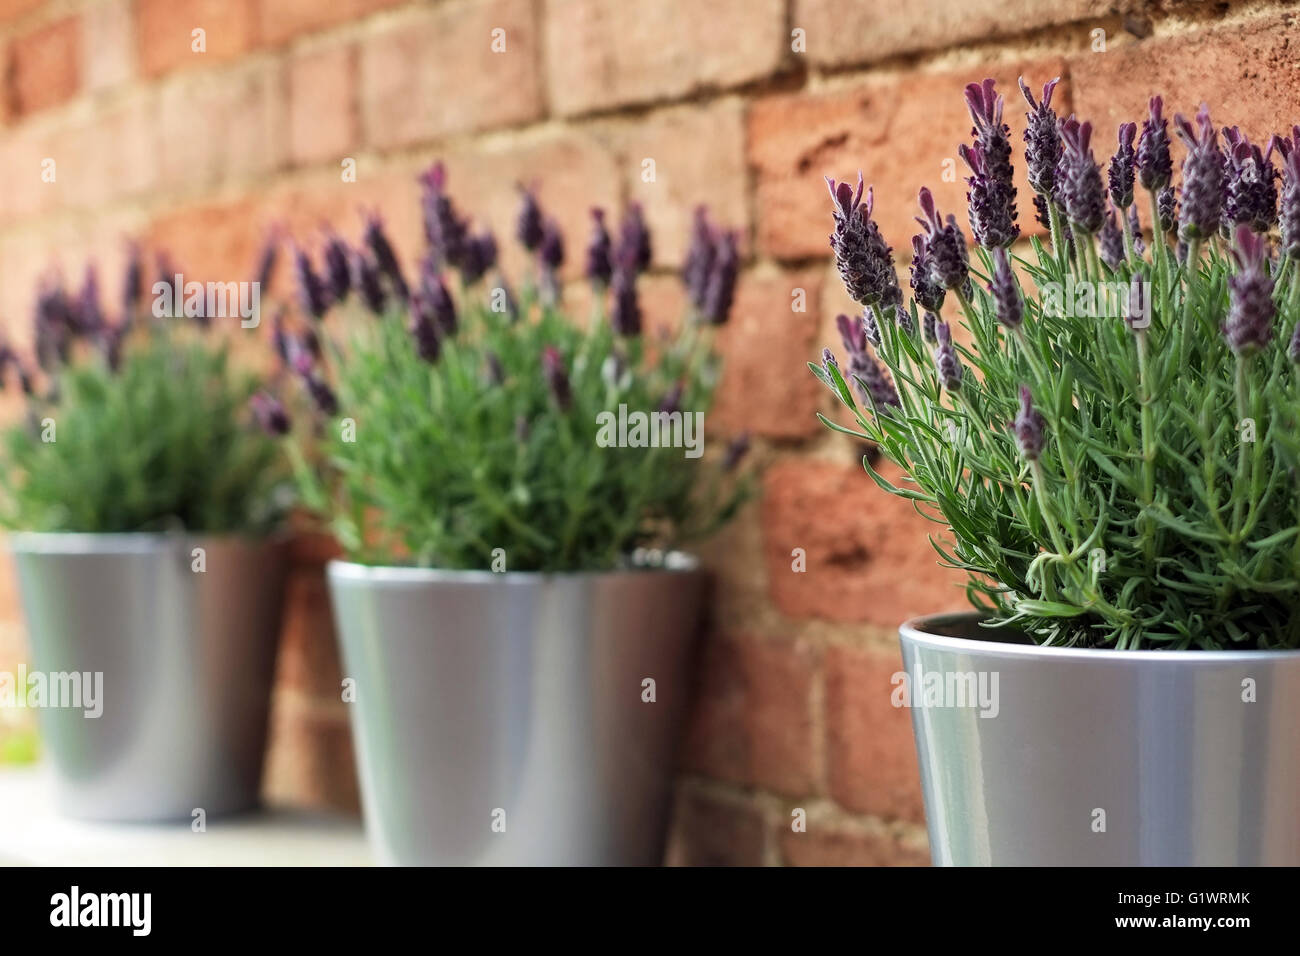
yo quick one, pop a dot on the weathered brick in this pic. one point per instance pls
(323, 120)
(115, 154)
(596, 59)
(902, 133)
(310, 760)
(165, 32)
(710, 831)
(281, 20)
(841, 34)
(45, 66)
(871, 755)
(435, 72)
(308, 661)
(1245, 72)
(698, 156)
(11, 10)
(867, 554)
(216, 241)
(216, 127)
(766, 388)
(851, 845)
(108, 46)
(752, 717)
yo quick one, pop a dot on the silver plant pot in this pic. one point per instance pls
(1101, 757)
(502, 719)
(187, 659)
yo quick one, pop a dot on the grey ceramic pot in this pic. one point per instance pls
(1057, 756)
(502, 719)
(187, 659)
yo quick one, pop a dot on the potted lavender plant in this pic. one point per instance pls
(510, 489)
(143, 497)
(1111, 441)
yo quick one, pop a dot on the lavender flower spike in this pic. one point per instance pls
(1289, 214)
(1249, 326)
(1110, 241)
(377, 241)
(699, 259)
(945, 358)
(1042, 139)
(625, 316)
(991, 203)
(312, 293)
(929, 294)
(1167, 210)
(529, 228)
(1078, 179)
(1155, 167)
(852, 333)
(557, 378)
(1007, 302)
(270, 414)
(1029, 427)
(634, 237)
(1251, 197)
(992, 136)
(424, 328)
(721, 290)
(870, 381)
(1202, 177)
(863, 258)
(1121, 173)
(947, 247)
(599, 263)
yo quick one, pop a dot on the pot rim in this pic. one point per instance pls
(915, 631)
(126, 542)
(394, 574)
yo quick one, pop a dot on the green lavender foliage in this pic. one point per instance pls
(444, 466)
(165, 442)
(1147, 522)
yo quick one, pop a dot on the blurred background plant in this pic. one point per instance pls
(448, 427)
(1112, 444)
(139, 424)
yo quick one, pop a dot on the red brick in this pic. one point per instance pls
(281, 20)
(216, 127)
(601, 55)
(841, 34)
(310, 760)
(108, 46)
(699, 159)
(434, 73)
(1246, 73)
(899, 131)
(211, 242)
(766, 388)
(115, 154)
(709, 831)
(309, 657)
(868, 556)
(871, 755)
(45, 66)
(164, 32)
(752, 718)
(11, 10)
(323, 120)
(851, 846)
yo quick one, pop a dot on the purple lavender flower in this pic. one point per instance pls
(1251, 197)
(86, 313)
(477, 254)
(1155, 167)
(600, 266)
(376, 240)
(991, 204)
(945, 358)
(1029, 426)
(928, 324)
(557, 378)
(1007, 302)
(1110, 241)
(280, 341)
(424, 328)
(828, 361)
(312, 293)
(1167, 210)
(1121, 171)
(338, 271)
(110, 340)
(1042, 140)
(721, 290)
(1202, 177)
(1041, 215)
(625, 315)
(929, 294)
(1249, 326)
(852, 333)
(945, 245)
(444, 230)
(864, 259)
(441, 306)
(699, 259)
(1078, 179)
(992, 136)
(1289, 213)
(529, 227)
(267, 257)
(736, 451)
(131, 282)
(870, 381)
(366, 280)
(634, 238)
(7, 357)
(322, 395)
(270, 414)
(672, 400)
(551, 251)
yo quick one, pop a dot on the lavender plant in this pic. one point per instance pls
(1112, 440)
(135, 423)
(477, 430)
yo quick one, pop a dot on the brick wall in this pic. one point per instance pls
(743, 104)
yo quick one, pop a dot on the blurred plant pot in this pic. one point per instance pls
(501, 719)
(187, 659)
(1100, 757)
